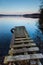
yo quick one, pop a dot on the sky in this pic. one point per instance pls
(19, 6)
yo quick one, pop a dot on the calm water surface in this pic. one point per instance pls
(5, 34)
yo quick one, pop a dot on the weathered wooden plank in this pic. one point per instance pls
(22, 38)
(24, 41)
(23, 45)
(33, 56)
(24, 57)
(24, 50)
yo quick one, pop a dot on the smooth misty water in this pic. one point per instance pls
(5, 34)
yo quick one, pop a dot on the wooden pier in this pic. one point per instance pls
(23, 50)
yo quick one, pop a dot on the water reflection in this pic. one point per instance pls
(7, 23)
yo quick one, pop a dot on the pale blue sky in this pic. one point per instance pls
(15, 6)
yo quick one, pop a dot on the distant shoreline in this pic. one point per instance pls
(34, 15)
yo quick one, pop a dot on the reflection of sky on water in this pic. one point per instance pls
(7, 23)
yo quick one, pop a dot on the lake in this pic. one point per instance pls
(7, 23)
